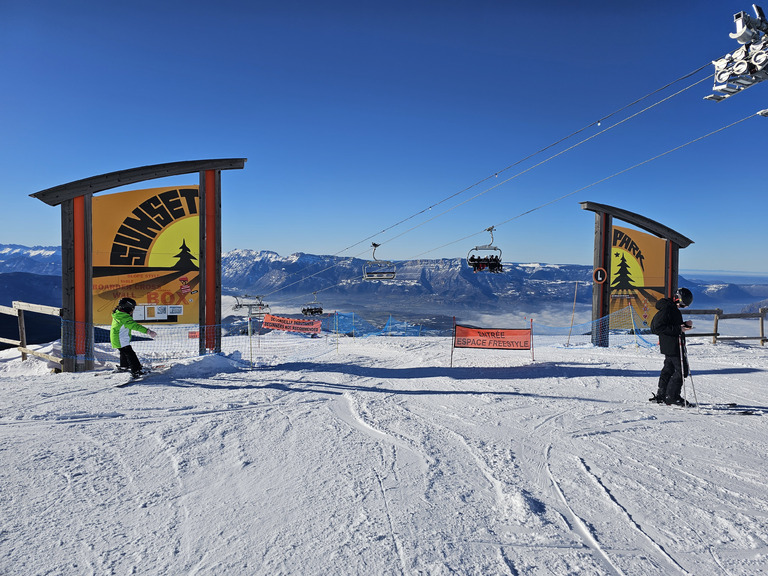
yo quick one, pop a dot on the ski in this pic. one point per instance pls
(717, 408)
(734, 408)
(146, 372)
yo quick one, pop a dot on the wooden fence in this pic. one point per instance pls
(719, 315)
(18, 310)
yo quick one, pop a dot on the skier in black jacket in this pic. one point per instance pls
(668, 324)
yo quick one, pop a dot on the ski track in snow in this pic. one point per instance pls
(380, 459)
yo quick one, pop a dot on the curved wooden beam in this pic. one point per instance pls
(58, 194)
(640, 221)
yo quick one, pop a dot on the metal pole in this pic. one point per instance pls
(250, 337)
(573, 314)
(532, 357)
(453, 339)
(683, 363)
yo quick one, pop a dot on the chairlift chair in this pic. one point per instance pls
(486, 257)
(379, 269)
(314, 308)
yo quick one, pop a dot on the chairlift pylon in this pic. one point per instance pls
(257, 308)
(486, 257)
(379, 269)
(313, 308)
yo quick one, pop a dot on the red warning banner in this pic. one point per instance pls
(292, 324)
(494, 338)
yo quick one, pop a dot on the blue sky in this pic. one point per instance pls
(356, 115)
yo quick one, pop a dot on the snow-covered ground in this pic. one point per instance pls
(378, 458)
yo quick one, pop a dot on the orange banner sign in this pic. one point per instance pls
(495, 338)
(292, 324)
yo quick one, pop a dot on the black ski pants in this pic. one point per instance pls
(671, 378)
(128, 359)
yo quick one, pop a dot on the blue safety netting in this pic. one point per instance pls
(348, 324)
(621, 328)
(258, 346)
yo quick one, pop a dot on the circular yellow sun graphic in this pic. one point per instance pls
(169, 243)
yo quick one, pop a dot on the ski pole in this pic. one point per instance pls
(690, 375)
(684, 363)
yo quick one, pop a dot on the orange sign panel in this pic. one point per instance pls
(494, 338)
(146, 247)
(292, 324)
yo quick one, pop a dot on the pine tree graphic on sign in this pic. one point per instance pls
(623, 279)
(186, 260)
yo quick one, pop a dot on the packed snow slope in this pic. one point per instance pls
(381, 459)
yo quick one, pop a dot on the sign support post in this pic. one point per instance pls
(603, 285)
(75, 199)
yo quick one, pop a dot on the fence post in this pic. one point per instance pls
(22, 334)
(762, 325)
(714, 330)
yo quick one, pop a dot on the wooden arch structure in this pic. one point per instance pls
(75, 199)
(604, 216)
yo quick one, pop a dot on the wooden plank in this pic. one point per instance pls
(601, 292)
(89, 352)
(8, 341)
(741, 315)
(741, 338)
(9, 310)
(22, 335)
(39, 308)
(67, 286)
(646, 224)
(699, 334)
(715, 328)
(65, 192)
(43, 355)
(702, 312)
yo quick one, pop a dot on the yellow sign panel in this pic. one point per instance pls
(146, 247)
(638, 272)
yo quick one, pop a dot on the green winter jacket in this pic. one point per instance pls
(122, 325)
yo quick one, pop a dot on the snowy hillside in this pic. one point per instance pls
(378, 458)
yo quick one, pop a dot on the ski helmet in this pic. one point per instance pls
(683, 297)
(126, 305)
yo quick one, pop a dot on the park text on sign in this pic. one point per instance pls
(292, 324)
(494, 338)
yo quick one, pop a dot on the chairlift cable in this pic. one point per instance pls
(528, 157)
(540, 163)
(495, 174)
(676, 148)
(544, 149)
(549, 203)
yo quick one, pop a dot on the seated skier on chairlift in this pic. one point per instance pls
(314, 308)
(491, 262)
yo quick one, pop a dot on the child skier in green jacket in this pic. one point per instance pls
(120, 335)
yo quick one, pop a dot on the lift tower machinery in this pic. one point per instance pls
(748, 64)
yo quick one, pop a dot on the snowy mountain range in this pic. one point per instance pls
(431, 286)
(45, 260)
(422, 283)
